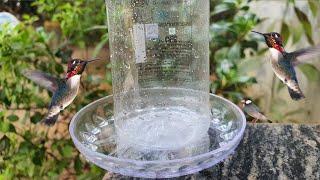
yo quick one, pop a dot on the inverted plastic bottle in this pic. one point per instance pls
(160, 72)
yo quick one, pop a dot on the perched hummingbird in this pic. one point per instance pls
(283, 62)
(64, 90)
(253, 110)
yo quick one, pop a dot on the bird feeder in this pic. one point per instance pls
(161, 120)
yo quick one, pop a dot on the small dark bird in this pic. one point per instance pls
(283, 62)
(64, 90)
(253, 110)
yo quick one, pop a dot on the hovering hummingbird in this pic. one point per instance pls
(283, 62)
(64, 90)
(252, 110)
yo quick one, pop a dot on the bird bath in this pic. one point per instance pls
(161, 120)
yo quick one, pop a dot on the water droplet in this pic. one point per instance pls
(126, 65)
(90, 146)
(88, 137)
(92, 129)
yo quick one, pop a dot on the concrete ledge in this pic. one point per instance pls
(268, 151)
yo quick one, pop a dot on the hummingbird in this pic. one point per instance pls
(64, 90)
(283, 62)
(252, 110)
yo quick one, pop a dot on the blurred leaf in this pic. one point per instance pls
(39, 101)
(296, 34)
(294, 112)
(78, 165)
(4, 143)
(234, 52)
(224, 11)
(224, 81)
(250, 44)
(224, 7)
(62, 165)
(6, 127)
(245, 8)
(13, 118)
(236, 96)
(64, 53)
(108, 77)
(303, 18)
(59, 68)
(285, 32)
(250, 65)
(37, 117)
(30, 169)
(246, 79)
(221, 54)
(39, 156)
(313, 7)
(278, 103)
(1, 114)
(28, 135)
(213, 87)
(225, 66)
(280, 86)
(310, 71)
(25, 147)
(97, 27)
(67, 151)
(100, 45)
(95, 94)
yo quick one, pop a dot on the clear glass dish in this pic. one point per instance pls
(93, 132)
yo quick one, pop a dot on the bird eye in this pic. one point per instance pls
(276, 35)
(74, 62)
(248, 102)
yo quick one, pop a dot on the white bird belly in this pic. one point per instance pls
(275, 56)
(73, 83)
(279, 75)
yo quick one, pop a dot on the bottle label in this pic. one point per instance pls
(139, 42)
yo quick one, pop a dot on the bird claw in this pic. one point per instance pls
(254, 121)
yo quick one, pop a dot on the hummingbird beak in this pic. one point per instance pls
(258, 33)
(262, 34)
(92, 60)
(84, 63)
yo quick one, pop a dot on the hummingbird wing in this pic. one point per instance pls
(43, 79)
(302, 55)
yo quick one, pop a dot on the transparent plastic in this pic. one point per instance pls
(93, 132)
(161, 120)
(160, 71)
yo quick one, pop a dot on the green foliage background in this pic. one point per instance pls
(26, 148)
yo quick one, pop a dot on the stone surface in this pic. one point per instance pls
(268, 151)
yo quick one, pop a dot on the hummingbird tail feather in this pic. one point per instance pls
(294, 90)
(50, 120)
(296, 95)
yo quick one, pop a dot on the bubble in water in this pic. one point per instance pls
(88, 137)
(90, 146)
(92, 129)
